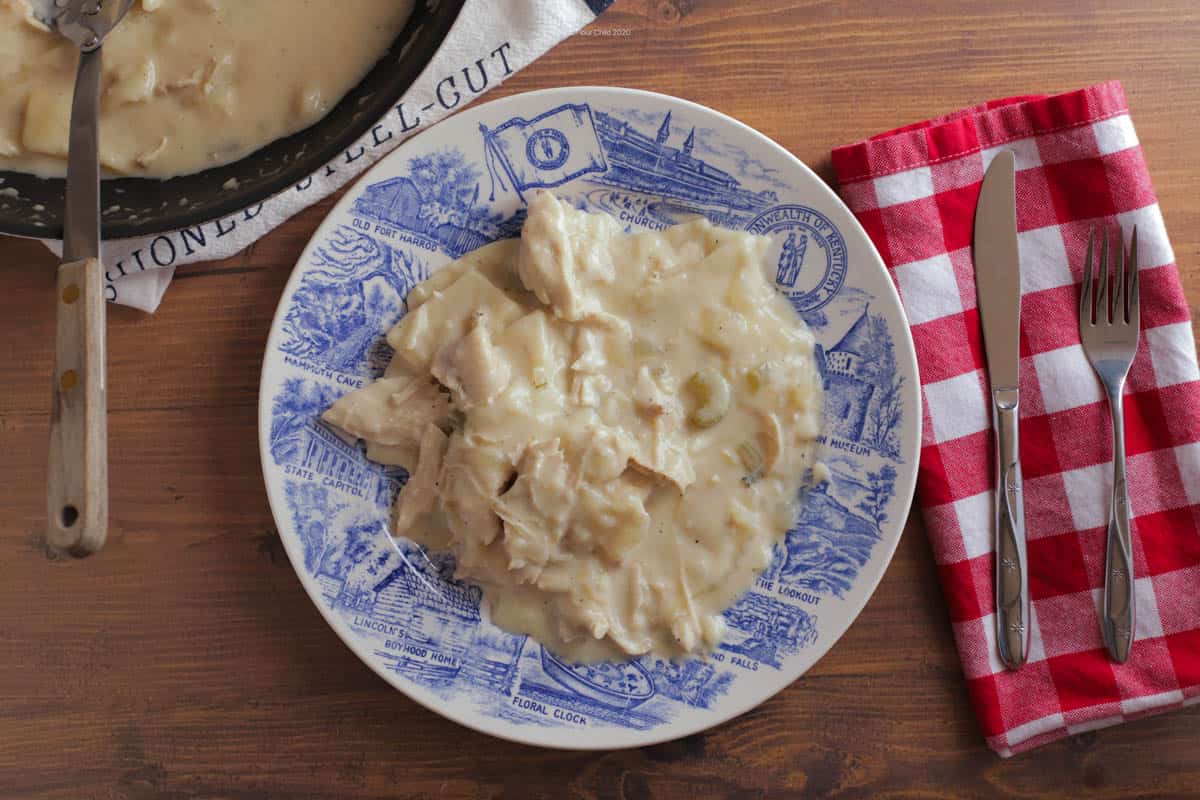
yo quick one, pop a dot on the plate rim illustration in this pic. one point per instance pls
(871, 573)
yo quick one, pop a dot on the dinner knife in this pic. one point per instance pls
(998, 286)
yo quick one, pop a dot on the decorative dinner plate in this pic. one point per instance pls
(650, 161)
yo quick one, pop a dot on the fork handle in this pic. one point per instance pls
(1012, 576)
(77, 486)
(1119, 602)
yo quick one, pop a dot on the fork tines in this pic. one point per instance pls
(1123, 306)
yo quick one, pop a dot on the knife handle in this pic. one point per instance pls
(77, 486)
(1012, 577)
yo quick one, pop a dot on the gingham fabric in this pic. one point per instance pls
(1079, 165)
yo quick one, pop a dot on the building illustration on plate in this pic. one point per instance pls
(651, 164)
(437, 205)
(398, 201)
(862, 386)
(848, 390)
(426, 624)
(301, 443)
(572, 141)
(327, 454)
(435, 631)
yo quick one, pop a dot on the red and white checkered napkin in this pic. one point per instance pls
(1079, 165)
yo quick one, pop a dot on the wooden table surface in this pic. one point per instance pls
(186, 661)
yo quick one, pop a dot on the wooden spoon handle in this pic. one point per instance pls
(77, 496)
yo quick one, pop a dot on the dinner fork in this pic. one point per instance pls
(1109, 330)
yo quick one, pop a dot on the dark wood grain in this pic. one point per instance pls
(185, 661)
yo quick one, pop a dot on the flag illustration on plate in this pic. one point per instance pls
(548, 150)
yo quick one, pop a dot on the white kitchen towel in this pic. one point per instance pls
(497, 36)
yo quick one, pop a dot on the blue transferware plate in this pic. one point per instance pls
(650, 161)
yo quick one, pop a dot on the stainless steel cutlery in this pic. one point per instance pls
(1109, 327)
(998, 284)
(77, 486)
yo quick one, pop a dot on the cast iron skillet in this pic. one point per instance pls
(149, 205)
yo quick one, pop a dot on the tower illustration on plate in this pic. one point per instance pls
(863, 387)
(848, 390)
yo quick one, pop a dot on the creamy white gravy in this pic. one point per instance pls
(188, 84)
(608, 431)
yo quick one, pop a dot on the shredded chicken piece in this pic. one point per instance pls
(392, 411)
(420, 493)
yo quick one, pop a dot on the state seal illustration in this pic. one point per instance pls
(808, 252)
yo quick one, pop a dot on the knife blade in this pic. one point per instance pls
(998, 286)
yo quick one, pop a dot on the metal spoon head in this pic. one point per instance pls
(84, 22)
(45, 12)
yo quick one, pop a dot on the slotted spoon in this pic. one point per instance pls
(77, 485)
